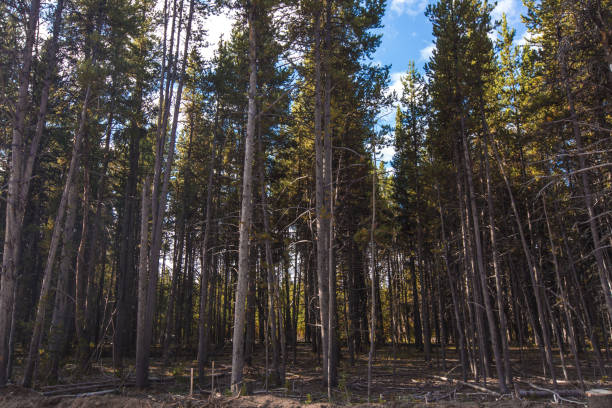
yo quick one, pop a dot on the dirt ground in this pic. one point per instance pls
(401, 381)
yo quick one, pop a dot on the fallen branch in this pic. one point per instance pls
(85, 388)
(556, 395)
(59, 386)
(87, 394)
(542, 394)
(474, 386)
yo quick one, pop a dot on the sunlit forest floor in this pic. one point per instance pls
(400, 379)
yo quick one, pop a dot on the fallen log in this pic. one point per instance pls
(87, 394)
(474, 386)
(544, 394)
(557, 396)
(59, 386)
(86, 388)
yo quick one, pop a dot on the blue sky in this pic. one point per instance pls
(407, 33)
(407, 37)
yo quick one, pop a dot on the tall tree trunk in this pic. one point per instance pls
(204, 277)
(142, 286)
(373, 271)
(322, 210)
(246, 213)
(332, 369)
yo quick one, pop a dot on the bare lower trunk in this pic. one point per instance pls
(322, 212)
(373, 272)
(141, 362)
(202, 337)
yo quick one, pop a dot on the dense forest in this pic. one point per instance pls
(163, 204)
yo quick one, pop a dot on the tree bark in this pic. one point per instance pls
(141, 363)
(246, 212)
(322, 212)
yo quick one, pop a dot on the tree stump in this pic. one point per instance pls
(599, 398)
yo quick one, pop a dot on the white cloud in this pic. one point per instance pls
(410, 7)
(427, 52)
(524, 40)
(396, 83)
(217, 26)
(387, 153)
(508, 7)
(528, 39)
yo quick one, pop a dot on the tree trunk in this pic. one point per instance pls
(204, 261)
(246, 212)
(141, 357)
(322, 210)
(373, 271)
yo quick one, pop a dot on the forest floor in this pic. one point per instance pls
(403, 381)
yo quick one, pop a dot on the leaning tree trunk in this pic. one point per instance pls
(53, 246)
(246, 213)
